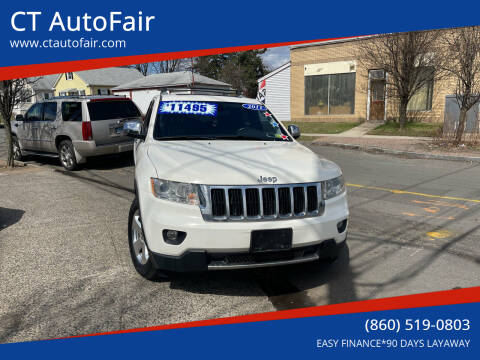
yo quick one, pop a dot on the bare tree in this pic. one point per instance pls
(235, 75)
(12, 93)
(158, 67)
(463, 52)
(411, 60)
(142, 68)
(168, 66)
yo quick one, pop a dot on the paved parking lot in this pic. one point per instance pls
(66, 270)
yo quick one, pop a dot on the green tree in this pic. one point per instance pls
(240, 69)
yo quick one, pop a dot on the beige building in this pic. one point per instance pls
(329, 84)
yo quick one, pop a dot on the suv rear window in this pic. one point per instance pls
(112, 109)
(72, 111)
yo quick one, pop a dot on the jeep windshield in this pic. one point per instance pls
(201, 120)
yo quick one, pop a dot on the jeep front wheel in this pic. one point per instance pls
(141, 257)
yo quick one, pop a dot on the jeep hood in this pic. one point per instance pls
(238, 162)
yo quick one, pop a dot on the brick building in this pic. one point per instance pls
(329, 84)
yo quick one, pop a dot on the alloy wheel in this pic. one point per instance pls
(66, 156)
(138, 241)
(17, 152)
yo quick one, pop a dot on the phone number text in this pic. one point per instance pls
(396, 325)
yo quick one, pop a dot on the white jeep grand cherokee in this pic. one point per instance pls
(221, 184)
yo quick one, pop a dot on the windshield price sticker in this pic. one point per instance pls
(254, 107)
(187, 107)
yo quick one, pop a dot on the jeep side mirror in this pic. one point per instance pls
(134, 129)
(19, 117)
(294, 131)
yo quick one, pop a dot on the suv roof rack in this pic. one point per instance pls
(86, 97)
(203, 91)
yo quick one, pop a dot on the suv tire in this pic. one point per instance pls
(141, 257)
(67, 155)
(17, 151)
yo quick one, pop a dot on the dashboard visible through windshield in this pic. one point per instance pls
(201, 120)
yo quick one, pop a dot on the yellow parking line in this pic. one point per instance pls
(439, 234)
(394, 191)
(441, 203)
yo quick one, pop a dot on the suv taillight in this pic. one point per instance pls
(87, 130)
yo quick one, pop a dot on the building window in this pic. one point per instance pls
(103, 91)
(47, 96)
(69, 76)
(422, 99)
(332, 94)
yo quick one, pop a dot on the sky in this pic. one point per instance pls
(273, 58)
(276, 57)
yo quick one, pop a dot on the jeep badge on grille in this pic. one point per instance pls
(269, 179)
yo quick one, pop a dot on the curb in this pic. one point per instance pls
(17, 163)
(20, 163)
(366, 136)
(402, 153)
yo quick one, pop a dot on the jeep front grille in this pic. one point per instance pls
(263, 202)
(218, 202)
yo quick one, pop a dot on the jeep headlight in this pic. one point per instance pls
(334, 187)
(183, 193)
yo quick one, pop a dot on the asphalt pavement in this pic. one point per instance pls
(65, 266)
